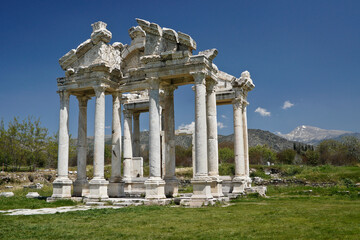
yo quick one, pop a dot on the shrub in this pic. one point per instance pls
(261, 155)
(286, 156)
(311, 157)
(226, 155)
(226, 169)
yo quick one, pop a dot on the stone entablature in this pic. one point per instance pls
(142, 77)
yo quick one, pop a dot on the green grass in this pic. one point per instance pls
(290, 212)
(278, 217)
(318, 174)
(20, 201)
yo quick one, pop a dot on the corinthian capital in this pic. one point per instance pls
(168, 90)
(99, 90)
(211, 86)
(83, 100)
(245, 82)
(239, 103)
(154, 83)
(128, 113)
(199, 77)
(64, 95)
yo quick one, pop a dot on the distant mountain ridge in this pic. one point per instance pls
(313, 135)
(256, 137)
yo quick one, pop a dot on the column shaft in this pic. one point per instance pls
(116, 139)
(169, 133)
(238, 139)
(201, 164)
(246, 142)
(154, 130)
(62, 183)
(82, 139)
(212, 138)
(127, 148)
(136, 139)
(99, 136)
(63, 150)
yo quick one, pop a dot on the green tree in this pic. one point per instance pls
(331, 152)
(261, 155)
(352, 146)
(226, 155)
(286, 156)
(311, 157)
(52, 151)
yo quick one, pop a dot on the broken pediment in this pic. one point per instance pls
(164, 39)
(93, 52)
(244, 82)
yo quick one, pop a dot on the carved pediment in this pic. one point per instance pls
(93, 52)
(244, 82)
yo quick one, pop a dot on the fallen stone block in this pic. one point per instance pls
(6, 194)
(33, 195)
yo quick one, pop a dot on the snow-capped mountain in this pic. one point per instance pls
(311, 135)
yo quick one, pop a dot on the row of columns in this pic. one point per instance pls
(206, 182)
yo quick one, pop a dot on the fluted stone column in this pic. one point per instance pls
(239, 151)
(127, 148)
(128, 151)
(98, 185)
(201, 181)
(241, 86)
(154, 185)
(62, 183)
(81, 185)
(116, 185)
(136, 136)
(212, 140)
(171, 182)
(246, 146)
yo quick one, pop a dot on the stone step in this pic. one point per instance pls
(95, 204)
(126, 204)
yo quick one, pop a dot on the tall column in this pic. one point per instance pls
(171, 182)
(201, 181)
(98, 185)
(62, 183)
(154, 185)
(212, 139)
(127, 148)
(136, 140)
(239, 150)
(116, 186)
(246, 146)
(241, 86)
(81, 185)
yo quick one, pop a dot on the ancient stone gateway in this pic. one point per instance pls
(142, 77)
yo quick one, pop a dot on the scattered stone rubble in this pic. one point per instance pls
(6, 194)
(33, 195)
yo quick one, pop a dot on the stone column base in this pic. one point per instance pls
(81, 188)
(239, 185)
(135, 187)
(171, 187)
(116, 189)
(98, 189)
(201, 191)
(62, 188)
(155, 188)
(216, 187)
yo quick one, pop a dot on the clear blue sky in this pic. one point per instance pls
(304, 52)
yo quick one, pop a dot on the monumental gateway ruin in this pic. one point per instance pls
(142, 77)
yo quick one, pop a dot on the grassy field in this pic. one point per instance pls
(288, 213)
